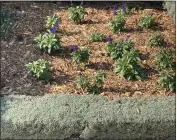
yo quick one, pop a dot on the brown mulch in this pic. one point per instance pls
(29, 22)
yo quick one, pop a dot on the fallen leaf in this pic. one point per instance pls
(127, 94)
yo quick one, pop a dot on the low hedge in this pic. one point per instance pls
(88, 116)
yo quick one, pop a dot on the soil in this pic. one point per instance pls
(28, 22)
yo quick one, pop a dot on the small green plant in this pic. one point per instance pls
(147, 21)
(126, 8)
(5, 23)
(116, 50)
(128, 67)
(48, 42)
(40, 69)
(167, 80)
(131, 7)
(82, 81)
(165, 59)
(110, 46)
(99, 78)
(51, 21)
(93, 86)
(97, 37)
(76, 14)
(80, 55)
(156, 40)
(117, 24)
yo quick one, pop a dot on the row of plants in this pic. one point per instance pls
(77, 13)
(127, 60)
(49, 42)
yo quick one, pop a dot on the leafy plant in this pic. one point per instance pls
(156, 40)
(99, 78)
(40, 69)
(165, 59)
(117, 24)
(147, 21)
(131, 7)
(52, 20)
(97, 37)
(80, 55)
(110, 46)
(82, 81)
(93, 89)
(48, 42)
(5, 23)
(128, 67)
(76, 14)
(116, 50)
(126, 8)
(93, 86)
(167, 80)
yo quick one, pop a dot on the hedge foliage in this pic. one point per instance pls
(88, 116)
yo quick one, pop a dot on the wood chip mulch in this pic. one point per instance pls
(29, 20)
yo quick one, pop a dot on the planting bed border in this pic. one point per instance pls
(88, 117)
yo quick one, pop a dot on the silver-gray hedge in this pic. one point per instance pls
(90, 117)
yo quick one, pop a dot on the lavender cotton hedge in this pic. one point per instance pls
(87, 116)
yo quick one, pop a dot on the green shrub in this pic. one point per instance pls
(76, 14)
(117, 24)
(99, 78)
(131, 7)
(80, 55)
(97, 37)
(94, 85)
(82, 81)
(5, 23)
(51, 21)
(48, 42)
(117, 49)
(156, 40)
(128, 67)
(97, 83)
(127, 8)
(109, 47)
(40, 69)
(167, 80)
(165, 59)
(93, 89)
(146, 21)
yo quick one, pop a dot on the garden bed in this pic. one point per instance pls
(28, 22)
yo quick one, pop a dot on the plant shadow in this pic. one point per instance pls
(148, 72)
(144, 56)
(68, 33)
(91, 22)
(157, 27)
(64, 52)
(120, 90)
(100, 66)
(129, 30)
(61, 78)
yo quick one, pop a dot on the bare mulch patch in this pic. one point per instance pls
(29, 22)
